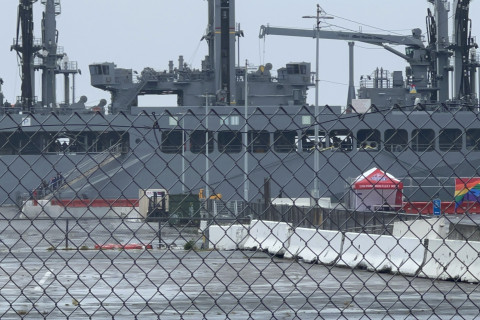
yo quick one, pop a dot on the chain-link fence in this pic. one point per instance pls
(284, 216)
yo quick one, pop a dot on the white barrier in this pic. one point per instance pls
(436, 258)
(313, 245)
(382, 253)
(452, 259)
(268, 236)
(33, 209)
(423, 229)
(227, 237)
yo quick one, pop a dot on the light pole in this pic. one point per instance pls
(316, 153)
(207, 143)
(183, 153)
(207, 160)
(245, 138)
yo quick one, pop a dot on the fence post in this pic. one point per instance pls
(159, 233)
(266, 198)
(66, 233)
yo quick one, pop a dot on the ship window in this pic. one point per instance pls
(303, 69)
(450, 140)
(96, 69)
(172, 121)
(17, 142)
(113, 141)
(172, 141)
(423, 140)
(6, 147)
(308, 140)
(27, 143)
(197, 141)
(284, 141)
(58, 143)
(230, 120)
(85, 142)
(258, 141)
(72, 142)
(293, 69)
(89, 141)
(396, 140)
(409, 51)
(473, 139)
(230, 141)
(307, 120)
(368, 139)
(105, 70)
(14, 143)
(77, 143)
(341, 139)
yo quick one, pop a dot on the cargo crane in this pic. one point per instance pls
(429, 66)
(415, 53)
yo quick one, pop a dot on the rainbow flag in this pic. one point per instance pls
(466, 189)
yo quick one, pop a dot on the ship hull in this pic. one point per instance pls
(143, 160)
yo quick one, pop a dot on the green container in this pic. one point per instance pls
(184, 209)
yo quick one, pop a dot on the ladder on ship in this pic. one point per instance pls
(84, 171)
(131, 94)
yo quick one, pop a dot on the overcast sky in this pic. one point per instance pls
(148, 33)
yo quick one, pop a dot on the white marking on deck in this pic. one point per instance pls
(43, 280)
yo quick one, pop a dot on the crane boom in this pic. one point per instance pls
(377, 39)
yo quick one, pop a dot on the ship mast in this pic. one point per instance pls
(221, 39)
(438, 44)
(49, 53)
(25, 48)
(43, 55)
(53, 60)
(465, 61)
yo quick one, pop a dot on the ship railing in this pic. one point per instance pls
(16, 108)
(450, 106)
(68, 65)
(420, 147)
(38, 61)
(370, 83)
(474, 57)
(11, 110)
(56, 2)
(37, 42)
(116, 149)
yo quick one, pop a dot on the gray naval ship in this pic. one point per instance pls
(419, 124)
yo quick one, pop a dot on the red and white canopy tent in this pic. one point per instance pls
(375, 189)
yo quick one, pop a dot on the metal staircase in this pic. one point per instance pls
(84, 170)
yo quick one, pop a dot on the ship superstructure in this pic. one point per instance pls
(219, 77)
